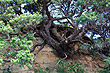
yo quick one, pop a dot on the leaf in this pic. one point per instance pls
(28, 65)
(98, 24)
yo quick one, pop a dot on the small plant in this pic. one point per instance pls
(107, 66)
(23, 58)
(40, 70)
(64, 67)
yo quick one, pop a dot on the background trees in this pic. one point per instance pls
(19, 25)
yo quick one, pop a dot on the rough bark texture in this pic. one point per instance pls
(60, 38)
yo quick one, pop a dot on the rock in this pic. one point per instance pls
(45, 57)
(101, 64)
(88, 58)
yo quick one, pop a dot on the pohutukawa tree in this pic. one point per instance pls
(60, 23)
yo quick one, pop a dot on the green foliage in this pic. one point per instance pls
(8, 14)
(30, 37)
(56, 1)
(89, 16)
(23, 44)
(1, 61)
(26, 20)
(18, 47)
(108, 40)
(85, 47)
(106, 68)
(99, 43)
(3, 43)
(5, 29)
(65, 24)
(99, 3)
(18, 1)
(107, 60)
(64, 67)
(40, 70)
(23, 57)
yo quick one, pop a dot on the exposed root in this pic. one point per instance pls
(42, 46)
(34, 46)
(62, 59)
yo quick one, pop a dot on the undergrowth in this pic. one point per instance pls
(63, 67)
